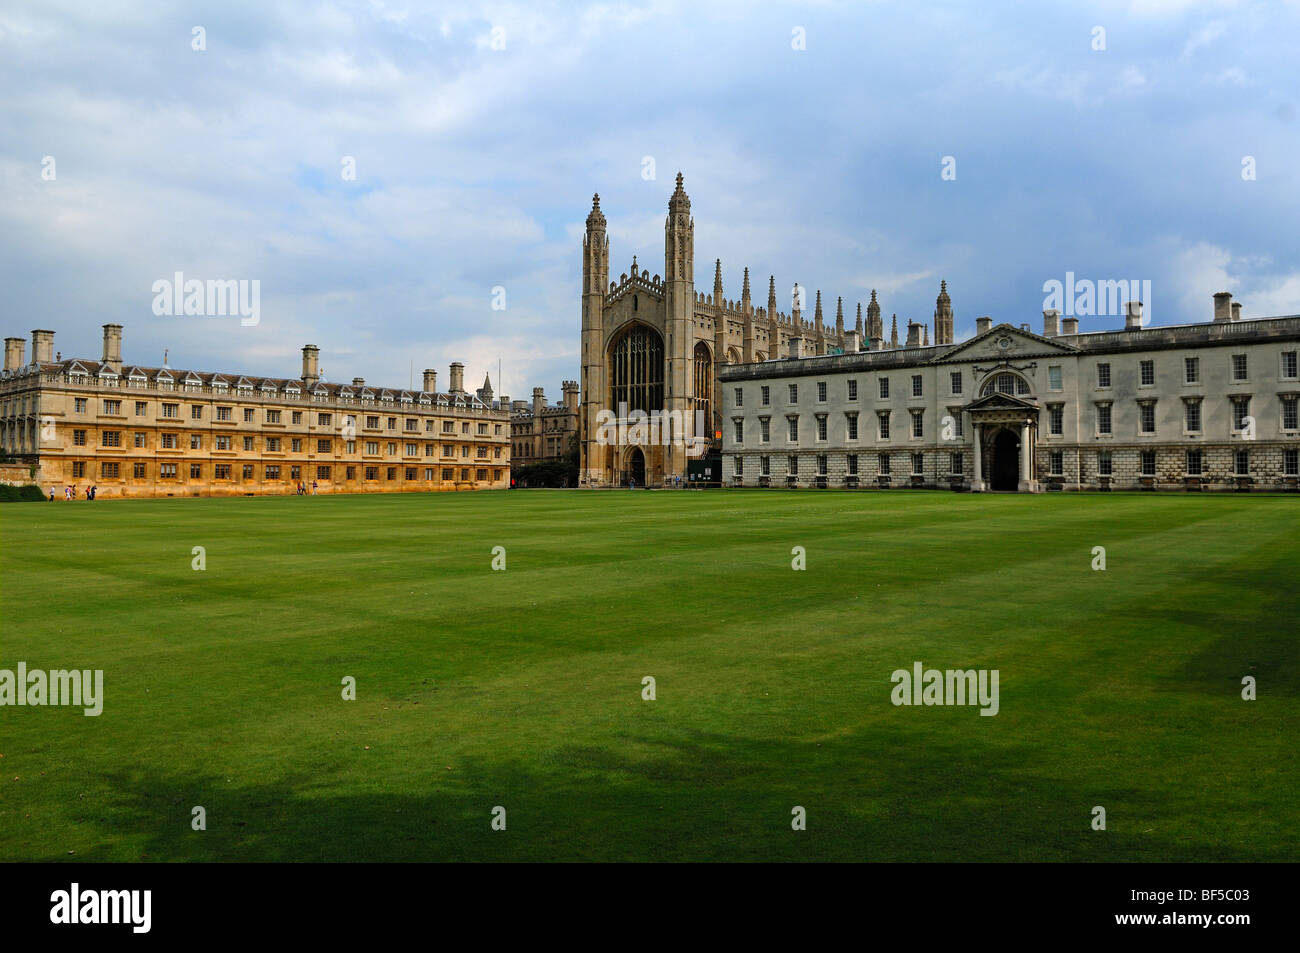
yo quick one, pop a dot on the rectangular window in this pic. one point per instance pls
(1056, 419)
(1191, 370)
(918, 464)
(918, 423)
(112, 438)
(1240, 411)
(78, 468)
(1056, 462)
(109, 470)
(916, 385)
(853, 464)
(80, 403)
(853, 390)
(821, 426)
(792, 465)
(1193, 415)
(410, 473)
(883, 420)
(196, 471)
(167, 441)
(448, 473)
(884, 388)
(324, 446)
(1289, 364)
(137, 471)
(1148, 463)
(794, 393)
(765, 394)
(248, 471)
(1103, 375)
(323, 420)
(764, 466)
(171, 410)
(1241, 459)
(196, 412)
(78, 438)
(1147, 373)
(372, 473)
(141, 408)
(140, 440)
(413, 450)
(248, 443)
(273, 416)
(1239, 367)
(167, 471)
(1103, 463)
(883, 460)
(956, 464)
(297, 417)
(852, 421)
(1147, 416)
(1054, 377)
(1291, 462)
(196, 442)
(392, 472)
(428, 473)
(821, 465)
(739, 426)
(740, 396)
(1193, 463)
(821, 391)
(793, 424)
(248, 415)
(273, 444)
(738, 465)
(764, 434)
(1103, 418)
(1289, 412)
(223, 413)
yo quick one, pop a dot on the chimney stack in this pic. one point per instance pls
(539, 401)
(430, 381)
(1236, 310)
(14, 348)
(358, 382)
(310, 364)
(113, 346)
(983, 324)
(852, 343)
(1222, 307)
(42, 346)
(1133, 316)
(913, 334)
(1070, 326)
(1051, 323)
(457, 378)
(795, 348)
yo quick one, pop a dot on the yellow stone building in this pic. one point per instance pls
(162, 431)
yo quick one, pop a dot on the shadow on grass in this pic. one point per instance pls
(714, 798)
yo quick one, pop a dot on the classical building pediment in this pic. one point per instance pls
(1006, 342)
(997, 401)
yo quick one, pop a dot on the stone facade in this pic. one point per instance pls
(164, 431)
(1190, 407)
(541, 431)
(656, 345)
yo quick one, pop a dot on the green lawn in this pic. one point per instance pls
(523, 688)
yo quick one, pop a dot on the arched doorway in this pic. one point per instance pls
(636, 467)
(1006, 461)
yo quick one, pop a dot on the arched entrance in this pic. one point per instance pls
(636, 467)
(1005, 465)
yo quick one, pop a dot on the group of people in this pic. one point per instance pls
(70, 493)
(302, 488)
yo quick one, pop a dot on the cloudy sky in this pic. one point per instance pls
(479, 132)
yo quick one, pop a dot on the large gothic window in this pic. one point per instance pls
(704, 385)
(636, 370)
